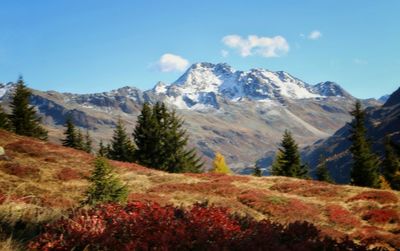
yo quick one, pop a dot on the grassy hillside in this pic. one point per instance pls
(39, 181)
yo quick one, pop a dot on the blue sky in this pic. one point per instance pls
(92, 45)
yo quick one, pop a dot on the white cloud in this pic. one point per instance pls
(314, 35)
(254, 45)
(170, 62)
(224, 53)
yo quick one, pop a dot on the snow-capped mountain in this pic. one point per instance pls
(203, 83)
(241, 114)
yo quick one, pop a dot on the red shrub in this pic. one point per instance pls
(139, 226)
(341, 216)
(382, 216)
(280, 207)
(67, 174)
(21, 171)
(382, 197)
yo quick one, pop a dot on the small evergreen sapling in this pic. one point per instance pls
(105, 186)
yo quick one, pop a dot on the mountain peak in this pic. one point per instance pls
(329, 88)
(394, 99)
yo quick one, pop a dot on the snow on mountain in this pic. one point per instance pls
(203, 84)
(329, 88)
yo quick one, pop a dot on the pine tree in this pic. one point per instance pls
(23, 117)
(322, 171)
(102, 152)
(87, 144)
(121, 148)
(257, 171)
(177, 157)
(162, 142)
(80, 145)
(288, 162)
(4, 120)
(104, 186)
(276, 168)
(147, 138)
(391, 164)
(219, 165)
(365, 170)
(70, 139)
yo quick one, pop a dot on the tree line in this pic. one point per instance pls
(367, 169)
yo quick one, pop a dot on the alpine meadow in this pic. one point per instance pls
(199, 125)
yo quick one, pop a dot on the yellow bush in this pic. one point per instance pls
(219, 164)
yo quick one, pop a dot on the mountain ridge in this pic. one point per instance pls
(241, 114)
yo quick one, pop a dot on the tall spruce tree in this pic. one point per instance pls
(322, 171)
(121, 147)
(70, 139)
(87, 144)
(288, 162)
(104, 186)
(391, 165)
(365, 171)
(147, 138)
(161, 141)
(4, 120)
(23, 117)
(80, 143)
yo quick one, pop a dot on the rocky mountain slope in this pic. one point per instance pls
(39, 181)
(241, 114)
(381, 121)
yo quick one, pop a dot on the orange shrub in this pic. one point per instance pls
(21, 171)
(27, 147)
(67, 174)
(381, 197)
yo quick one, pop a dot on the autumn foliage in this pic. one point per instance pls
(140, 226)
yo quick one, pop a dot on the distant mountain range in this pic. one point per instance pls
(380, 121)
(241, 114)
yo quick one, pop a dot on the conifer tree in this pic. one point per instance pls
(276, 168)
(70, 139)
(121, 147)
(147, 138)
(4, 120)
(162, 142)
(24, 119)
(104, 186)
(365, 170)
(177, 157)
(288, 162)
(322, 171)
(219, 165)
(257, 171)
(87, 144)
(80, 144)
(102, 152)
(391, 165)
